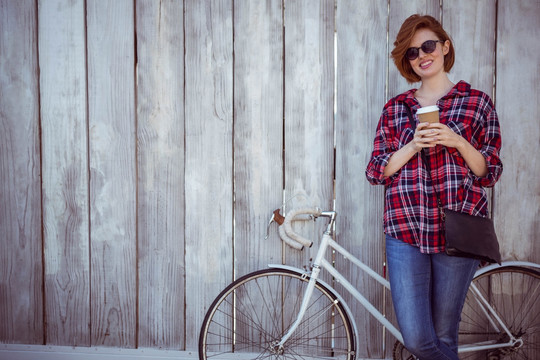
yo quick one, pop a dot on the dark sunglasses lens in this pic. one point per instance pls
(412, 53)
(429, 46)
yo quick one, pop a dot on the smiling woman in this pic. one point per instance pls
(463, 149)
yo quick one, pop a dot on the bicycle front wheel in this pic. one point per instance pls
(252, 314)
(514, 293)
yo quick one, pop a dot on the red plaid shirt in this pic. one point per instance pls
(411, 212)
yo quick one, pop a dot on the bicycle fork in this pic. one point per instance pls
(278, 346)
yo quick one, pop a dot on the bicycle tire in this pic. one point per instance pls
(254, 312)
(514, 292)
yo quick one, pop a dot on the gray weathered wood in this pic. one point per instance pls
(62, 63)
(258, 131)
(21, 272)
(111, 99)
(517, 195)
(361, 39)
(160, 187)
(472, 27)
(309, 118)
(208, 154)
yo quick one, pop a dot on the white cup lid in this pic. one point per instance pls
(427, 109)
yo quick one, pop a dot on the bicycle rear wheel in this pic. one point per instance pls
(514, 293)
(255, 311)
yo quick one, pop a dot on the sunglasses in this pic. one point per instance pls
(427, 47)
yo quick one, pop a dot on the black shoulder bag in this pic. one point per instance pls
(466, 235)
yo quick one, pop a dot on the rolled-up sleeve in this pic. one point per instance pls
(380, 155)
(490, 148)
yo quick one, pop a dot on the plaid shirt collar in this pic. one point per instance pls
(461, 89)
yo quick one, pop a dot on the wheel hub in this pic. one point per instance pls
(276, 349)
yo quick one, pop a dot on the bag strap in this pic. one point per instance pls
(426, 162)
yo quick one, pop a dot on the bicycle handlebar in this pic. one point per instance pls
(288, 235)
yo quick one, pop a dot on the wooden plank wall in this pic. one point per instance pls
(144, 144)
(21, 246)
(65, 173)
(160, 174)
(361, 90)
(208, 155)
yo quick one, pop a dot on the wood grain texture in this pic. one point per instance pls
(21, 275)
(160, 150)
(361, 85)
(208, 154)
(65, 171)
(309, 118)
(517, 195)
(258, 131)
(111, 84)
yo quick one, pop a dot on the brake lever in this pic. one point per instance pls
(276, 217)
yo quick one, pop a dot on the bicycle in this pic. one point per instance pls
(284, 312)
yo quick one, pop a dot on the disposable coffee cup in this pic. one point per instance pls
(428, 114)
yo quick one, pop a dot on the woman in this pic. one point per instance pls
(429, 287)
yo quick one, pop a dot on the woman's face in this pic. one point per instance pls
(432, 64)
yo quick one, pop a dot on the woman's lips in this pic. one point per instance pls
(426, 64)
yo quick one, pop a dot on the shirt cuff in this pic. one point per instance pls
(375, 170)
(494, 170)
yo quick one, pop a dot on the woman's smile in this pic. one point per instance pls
(426, 64)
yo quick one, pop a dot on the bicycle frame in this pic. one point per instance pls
(320, 263)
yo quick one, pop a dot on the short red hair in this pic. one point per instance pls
(403, 41)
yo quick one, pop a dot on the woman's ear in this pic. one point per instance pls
(446, 47)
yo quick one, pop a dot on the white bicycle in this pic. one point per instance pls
(284, 312)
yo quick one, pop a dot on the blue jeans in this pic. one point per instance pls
(428, 292)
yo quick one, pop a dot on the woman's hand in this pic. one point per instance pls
(425, 136)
